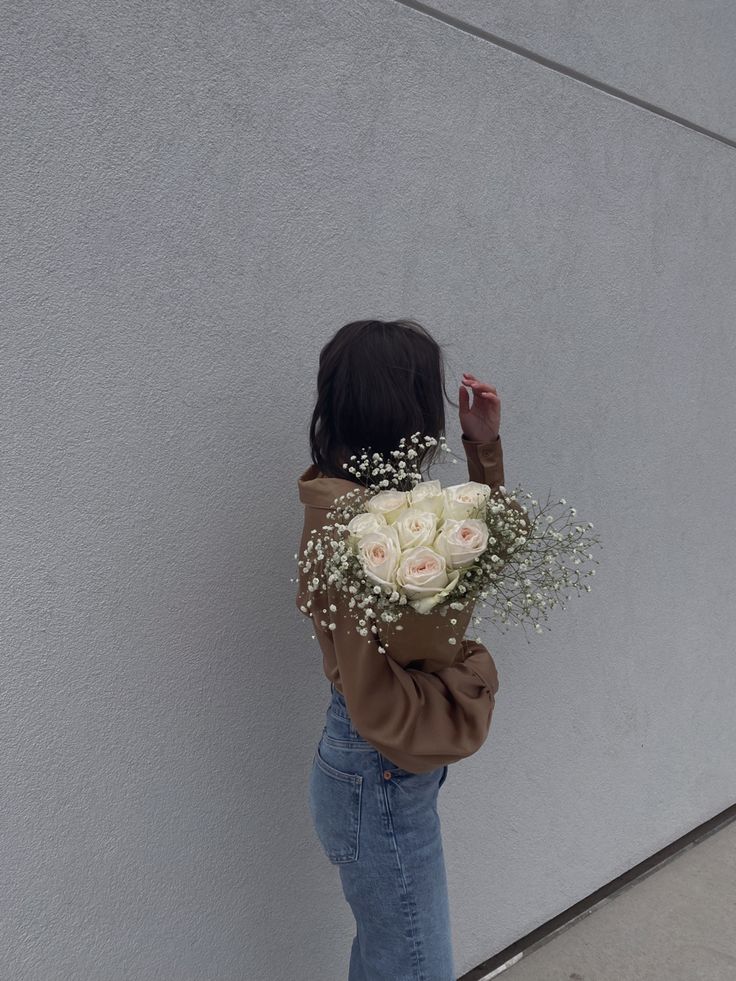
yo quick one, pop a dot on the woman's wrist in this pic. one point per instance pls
(491, 439)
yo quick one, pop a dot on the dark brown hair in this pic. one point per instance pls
(377, 381)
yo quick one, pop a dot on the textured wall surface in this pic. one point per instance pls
(676, 54)
(194, 198)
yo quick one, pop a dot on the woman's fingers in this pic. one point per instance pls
(474, 382)
(478, 386)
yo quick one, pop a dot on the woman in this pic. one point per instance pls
(395, 720)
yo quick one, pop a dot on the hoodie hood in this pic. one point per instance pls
(319, 491)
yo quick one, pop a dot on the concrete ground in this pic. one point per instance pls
(676, 924)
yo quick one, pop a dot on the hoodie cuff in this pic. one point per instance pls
(485, 460)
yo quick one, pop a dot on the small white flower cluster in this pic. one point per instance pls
(381, 473)
(439, 549)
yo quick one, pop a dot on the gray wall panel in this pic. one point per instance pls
(676, 54)
(194, 199)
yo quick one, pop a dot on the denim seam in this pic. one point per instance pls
(350, 744)
(406, 900)
(344, 717)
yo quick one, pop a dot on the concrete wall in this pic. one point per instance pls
(675, 54)
(195, 197)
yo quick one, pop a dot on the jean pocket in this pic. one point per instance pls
(334, 801)
(445, 770)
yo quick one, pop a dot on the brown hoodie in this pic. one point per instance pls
(425, 702)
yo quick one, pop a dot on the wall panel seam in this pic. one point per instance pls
(566, 70)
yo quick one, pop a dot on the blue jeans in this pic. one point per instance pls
(379, 825)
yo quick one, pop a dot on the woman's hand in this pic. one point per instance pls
(481, 421)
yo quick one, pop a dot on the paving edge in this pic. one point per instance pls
(506, 958)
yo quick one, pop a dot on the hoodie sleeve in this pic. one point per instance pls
(485, 465)
(419, 720)
(485, 460)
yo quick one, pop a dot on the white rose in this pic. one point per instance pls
(379, 552)
(465, 500)
(461, 542)
(364, 522)
(389, 503)
(423, 577)
(416, 527)
(427, 494)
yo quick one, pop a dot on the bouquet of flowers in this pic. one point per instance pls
(393, 552)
